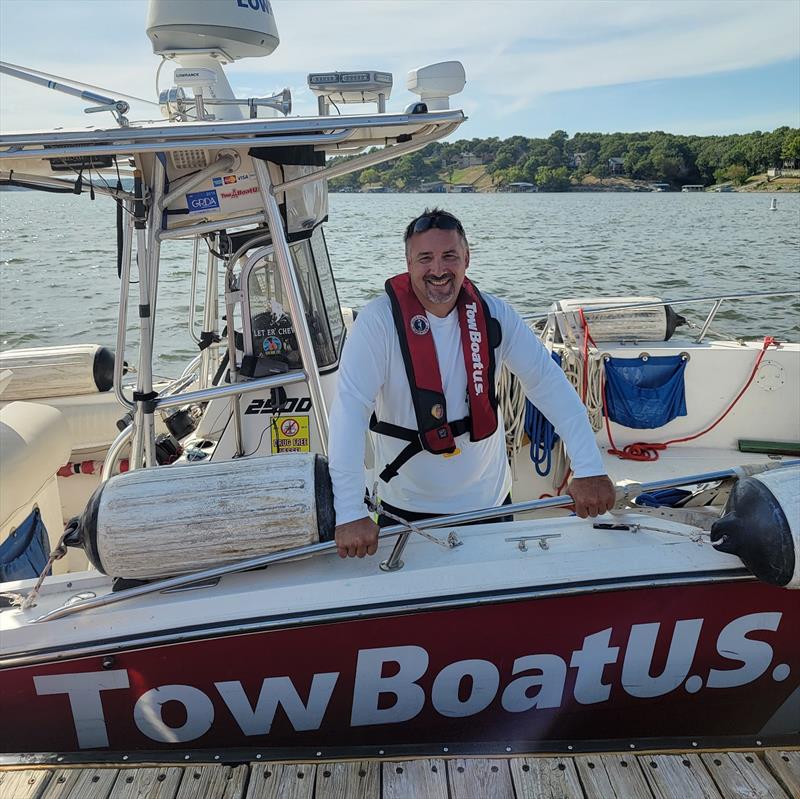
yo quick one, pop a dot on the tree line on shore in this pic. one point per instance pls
(554, 163)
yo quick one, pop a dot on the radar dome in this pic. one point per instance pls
(238, 28)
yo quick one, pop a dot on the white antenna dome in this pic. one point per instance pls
(237, 28)
(436, 83)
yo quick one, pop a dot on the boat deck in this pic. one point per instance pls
(766, 774)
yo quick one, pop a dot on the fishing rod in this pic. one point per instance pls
(483, 514)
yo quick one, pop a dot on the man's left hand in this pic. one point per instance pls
(592, 495)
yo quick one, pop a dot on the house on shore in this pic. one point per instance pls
(579, 159)
(522, 188)
(616, 166)
(462, 188)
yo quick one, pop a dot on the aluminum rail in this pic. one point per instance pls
(396, 529)
(660, 303)
(113, 453)
(346, 167)
(231, 390)
(283, 258)
(202, 395)
(67, 185)
(191, 134)
(209, 356)
(709, 319)
(193, 289)
(124, 291)
(128, 147)
(212, 227)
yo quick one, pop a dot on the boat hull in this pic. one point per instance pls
(718, 660)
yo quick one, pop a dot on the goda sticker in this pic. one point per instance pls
(200, 202)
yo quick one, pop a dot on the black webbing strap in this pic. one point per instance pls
(207, 338)
(414, 447)
(147, 399)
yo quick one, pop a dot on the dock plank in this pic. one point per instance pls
(281, 781)
(626, 776)
(545, 778)
(23, 784)
(479, 777)
(785, 765)
(678, 776)
(147, 783)
(741, 775)
(213, 782)
(411, 778)
(595, 780)
(81, 783)
(356, 780)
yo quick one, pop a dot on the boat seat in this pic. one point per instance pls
(35, 442)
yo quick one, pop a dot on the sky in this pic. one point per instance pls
(533, 66)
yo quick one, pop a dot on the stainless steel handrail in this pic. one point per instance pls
(283, 258)
(209, 360)
(377, 157)
(129, 148)
(193, 289)
(212, 227)
(660, 303)
(112, 455)
(265, 130)
(452, 520)
(67, 185)
(231, 390)
(709, 319)
(124, 291)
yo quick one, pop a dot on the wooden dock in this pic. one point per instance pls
(766, 774)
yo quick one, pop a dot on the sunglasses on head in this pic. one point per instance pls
(438, 221)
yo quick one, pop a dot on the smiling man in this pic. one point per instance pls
(419, 369)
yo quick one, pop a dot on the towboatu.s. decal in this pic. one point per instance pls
(705, 660)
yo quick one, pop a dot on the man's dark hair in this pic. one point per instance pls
(434, 218)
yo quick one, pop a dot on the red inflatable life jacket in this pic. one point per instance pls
(480, 335)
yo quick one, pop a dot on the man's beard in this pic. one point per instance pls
(440, 294)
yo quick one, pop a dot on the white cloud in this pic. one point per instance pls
(514, 51)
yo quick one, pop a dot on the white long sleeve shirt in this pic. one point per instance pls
(372, 376)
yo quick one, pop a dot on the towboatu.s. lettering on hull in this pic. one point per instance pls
(717, 660)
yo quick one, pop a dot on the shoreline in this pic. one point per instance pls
(590, 184)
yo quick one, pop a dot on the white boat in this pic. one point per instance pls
(537, 633)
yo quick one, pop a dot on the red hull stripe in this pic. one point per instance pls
(694, 660)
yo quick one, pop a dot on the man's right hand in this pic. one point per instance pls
(356, 539)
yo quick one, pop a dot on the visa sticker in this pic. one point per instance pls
(199, 202)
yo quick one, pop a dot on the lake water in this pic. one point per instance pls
(58, 280)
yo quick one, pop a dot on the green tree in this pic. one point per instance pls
(791, 145)
(370, 175)
(549, 179)
(736, 173)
